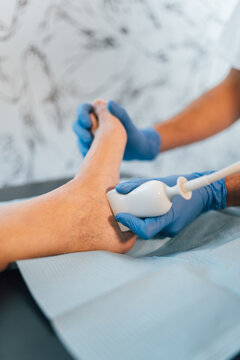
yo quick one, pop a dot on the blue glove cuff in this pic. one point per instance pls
(217, 193)
(153, 143)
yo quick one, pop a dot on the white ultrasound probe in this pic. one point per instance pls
(154, 198)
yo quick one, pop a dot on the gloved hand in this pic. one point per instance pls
(82, 127)
(141, 144)
(211, 197)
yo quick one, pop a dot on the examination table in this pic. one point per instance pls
(25, 333)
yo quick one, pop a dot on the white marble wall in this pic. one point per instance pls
(153, 56)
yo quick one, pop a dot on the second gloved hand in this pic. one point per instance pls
(142, 144)
(211, 197)
(82, 127)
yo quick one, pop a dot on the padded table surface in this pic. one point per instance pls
(25, 333)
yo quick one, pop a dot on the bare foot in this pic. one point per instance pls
(100, 173)
(76, 216)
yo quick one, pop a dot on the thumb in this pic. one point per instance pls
(128, 186)
(120, 113)
(135, 224)
(146, 228)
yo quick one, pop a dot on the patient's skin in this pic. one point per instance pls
(76, 216)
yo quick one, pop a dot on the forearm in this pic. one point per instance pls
(233, 190)
(213, 112)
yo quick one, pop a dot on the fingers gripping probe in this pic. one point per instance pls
(154, 198)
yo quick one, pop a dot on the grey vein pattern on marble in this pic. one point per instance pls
(151, 56)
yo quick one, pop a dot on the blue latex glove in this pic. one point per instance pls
(211, 197)
(82, 127)
(141, 144)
